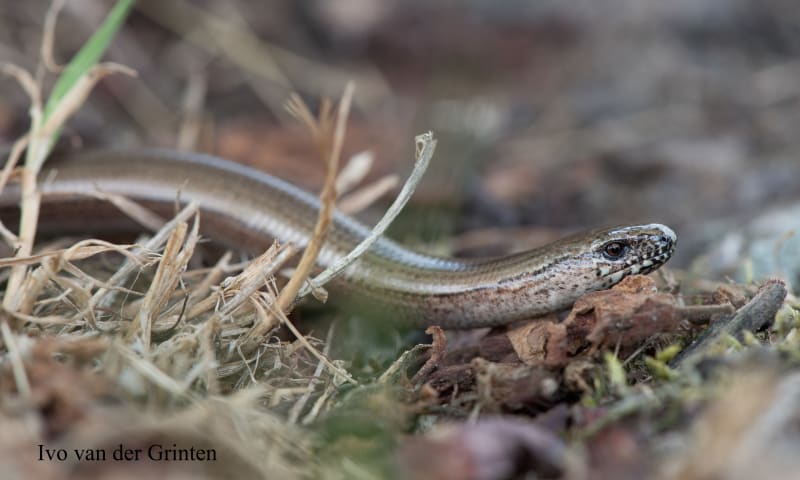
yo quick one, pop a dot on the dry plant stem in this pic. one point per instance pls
(39, 278)
(173, 262)
(192, 111)
(259, 60)
(133, 210)
(759, 312)
(313, 414)
(17, 367)
(90, 281)
(256, 278)
(27, 83)
(152, 373)
(70, 103)
(438, 351)
(46, 53)
(214, 276)
(13, 159)
(31, 201)
(354, 171)
(304, 341)
(41, 138)
(79, 251)
(10, 237)
(78, 294)
(298, 407)
(426, 146)
(101, 297)
(206, 339)
(202, 290)
(246, 283)
(403, 363)
(328, 200)
(364, 197)
(41, 320)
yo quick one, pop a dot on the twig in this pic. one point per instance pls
(756, 314)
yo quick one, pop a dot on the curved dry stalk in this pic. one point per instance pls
(426, 145)
(325, 218)
(46, 53)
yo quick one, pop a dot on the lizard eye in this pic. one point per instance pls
(614, 250)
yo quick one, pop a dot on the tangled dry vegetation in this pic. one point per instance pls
(109, 346)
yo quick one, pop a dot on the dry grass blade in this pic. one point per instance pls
(14, 354)
(53, 261)
(101, 297)
(362, 198)
(177, 253)
(212, 277)
(343, 374)
(13, 159)
(153, 373)
(131, 209)
(299, 406)
(27, 83)
(259, 59)
(80, 251)
(298, 108)
(246, 283)
(354, 171)
(48, 37)
(192, 124)
(75, 98)
(41, 320)
(44, 131)
(426, 146)
(77, 294)
(331, 149)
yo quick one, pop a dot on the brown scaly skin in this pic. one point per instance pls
(245, 208)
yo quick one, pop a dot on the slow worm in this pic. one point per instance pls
(246, 208)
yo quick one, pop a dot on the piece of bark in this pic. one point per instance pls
(497, 347)
(447, 378)
(624, 316)
(514, 386)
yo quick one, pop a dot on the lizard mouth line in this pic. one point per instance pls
(646, 264)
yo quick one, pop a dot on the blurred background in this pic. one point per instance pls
(552, 116)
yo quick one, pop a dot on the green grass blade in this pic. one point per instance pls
(88, 55)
